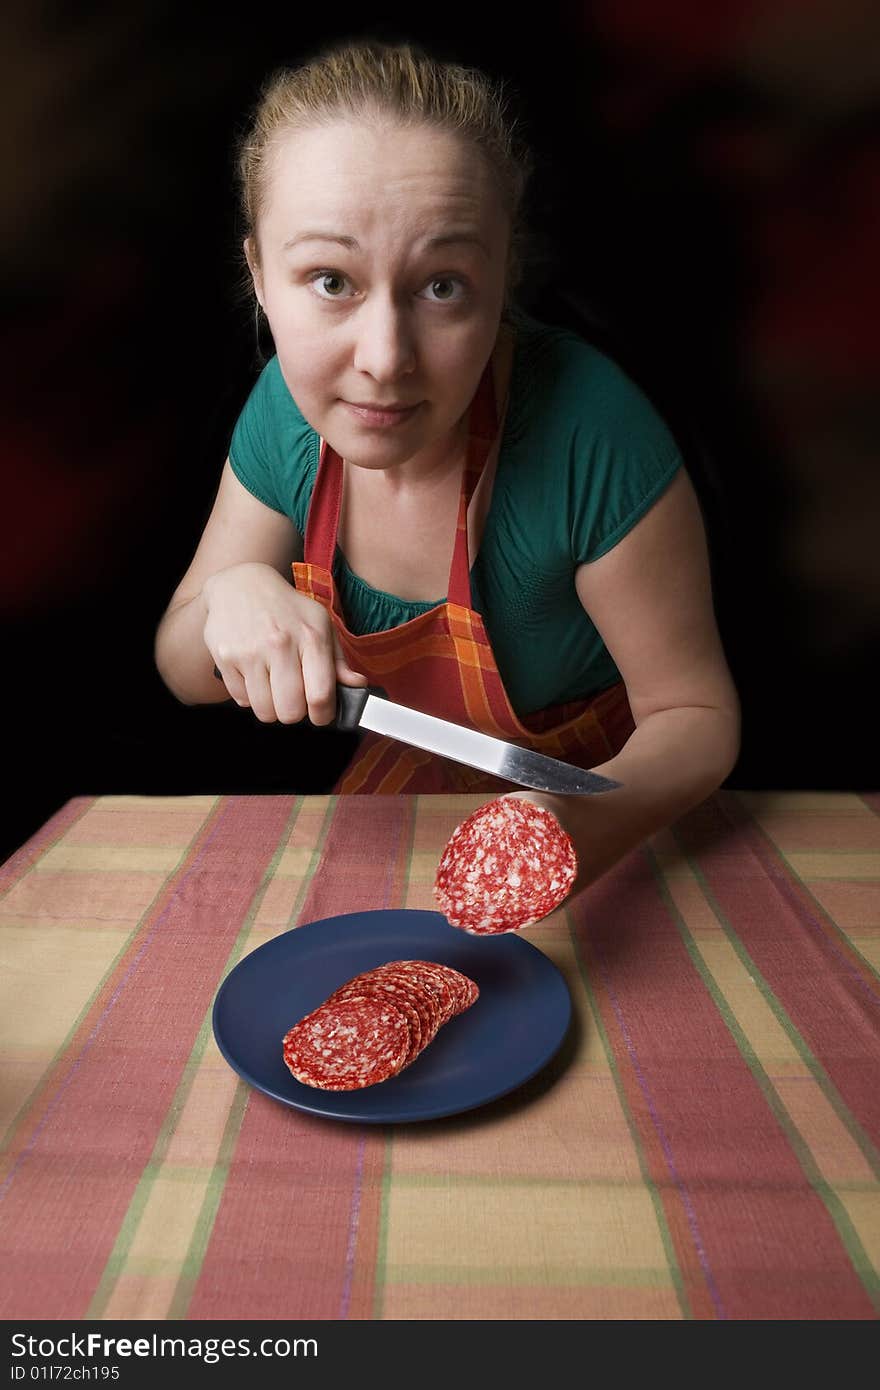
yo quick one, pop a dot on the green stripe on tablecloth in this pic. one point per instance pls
(563, 1276)
(204, 1222)
(650, 1185)
(493, 1180)
(116, 1263)
(859, 865)
(382, 1242)
(186, 1172)
(48, 1078)
(817, 1071)
(823, 1189)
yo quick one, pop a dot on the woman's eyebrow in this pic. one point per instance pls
(351, 244)
(347, 241)
(454, 238)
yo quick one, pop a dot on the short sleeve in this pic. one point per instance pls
(274, 451)
(622, 455)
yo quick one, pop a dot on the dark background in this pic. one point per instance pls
(705, 208)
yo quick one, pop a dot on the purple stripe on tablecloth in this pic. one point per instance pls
(353, 1222)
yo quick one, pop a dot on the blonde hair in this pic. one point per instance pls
(368, 79)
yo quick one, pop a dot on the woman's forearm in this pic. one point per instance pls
(673, 761)
(182, 659)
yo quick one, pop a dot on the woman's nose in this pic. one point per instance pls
(385, 344)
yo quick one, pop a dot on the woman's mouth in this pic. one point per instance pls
(383, 416)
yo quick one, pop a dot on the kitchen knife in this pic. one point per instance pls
(367, 707)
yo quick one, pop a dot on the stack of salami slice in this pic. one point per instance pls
(376, 1024)
(508, 865)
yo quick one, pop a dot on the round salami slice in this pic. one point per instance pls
(399, 995)
(506, 866)
(348, 1043)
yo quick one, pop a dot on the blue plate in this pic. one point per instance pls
(513, 1029)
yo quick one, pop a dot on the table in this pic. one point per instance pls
(706, 1144)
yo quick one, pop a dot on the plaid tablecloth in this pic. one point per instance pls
(705, 1145)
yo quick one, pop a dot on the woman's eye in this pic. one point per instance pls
(331, 283)
(444, 287)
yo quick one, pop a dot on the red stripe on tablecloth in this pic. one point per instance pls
(612, 917)
(827, 992)
(305, 1238)
(71, 1184)
(725, 813)
(752, 1238)
(17, 865)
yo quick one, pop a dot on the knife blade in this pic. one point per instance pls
(368, 707)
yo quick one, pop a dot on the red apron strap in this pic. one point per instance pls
(483, 427)
(322, 523)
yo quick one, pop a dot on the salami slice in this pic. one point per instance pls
(506, 866)
(451, 984)
(424, 1001)
(400, 996)
(348, 1043)
(435, 986)
(375, 1024)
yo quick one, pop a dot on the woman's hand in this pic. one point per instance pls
(235, 609)
(275, 649)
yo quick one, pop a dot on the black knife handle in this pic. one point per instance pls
(350, 701)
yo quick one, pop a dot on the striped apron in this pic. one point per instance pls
(441, 662)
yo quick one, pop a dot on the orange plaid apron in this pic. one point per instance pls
(441, 662)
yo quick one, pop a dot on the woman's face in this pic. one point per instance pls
(381, 266)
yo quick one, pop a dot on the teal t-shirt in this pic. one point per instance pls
(583, 456)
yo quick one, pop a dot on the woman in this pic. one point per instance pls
(519, 547)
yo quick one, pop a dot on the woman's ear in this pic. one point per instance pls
(250, 255)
